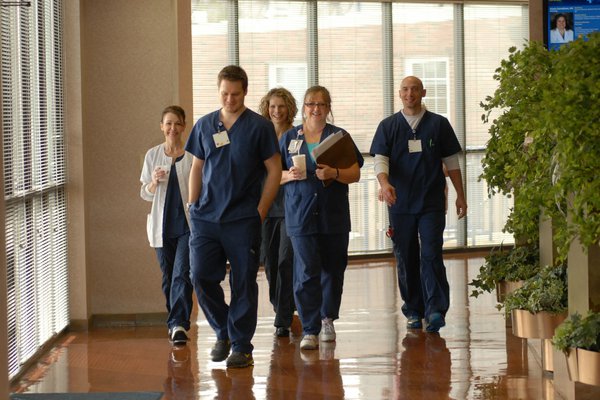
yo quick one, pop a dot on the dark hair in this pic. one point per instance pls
(564, 16)
(174, 110)
(288, 99)
(327, 97)
(233, 73)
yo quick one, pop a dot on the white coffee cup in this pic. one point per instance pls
(299, 161)
(167, 170)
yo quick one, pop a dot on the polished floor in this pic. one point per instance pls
(375, 357)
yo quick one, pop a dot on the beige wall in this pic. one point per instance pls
(130, 60)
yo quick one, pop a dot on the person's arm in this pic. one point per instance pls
(387, 192)
(287, 175)
(195, 182)
(271, 186)
(150, 178)
(457, 182)
(343, 175)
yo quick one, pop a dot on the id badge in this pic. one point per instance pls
(414, 146)
(295, 145)
(221, 139)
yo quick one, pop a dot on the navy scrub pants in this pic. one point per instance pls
(279, 258)
(319, 265)
(418, 241)
(211, 245)
(174, 261)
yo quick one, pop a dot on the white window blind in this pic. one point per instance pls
(34, 177)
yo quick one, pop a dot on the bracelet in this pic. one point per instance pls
(337, 173)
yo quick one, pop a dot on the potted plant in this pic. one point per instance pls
(579, 339)
(544, 140)
(540, 305)
(506, 270)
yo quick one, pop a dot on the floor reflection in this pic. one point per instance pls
(375, 357)
(179, 384)
(425, 367)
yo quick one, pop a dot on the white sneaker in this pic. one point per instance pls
(309, 342)
(327, 330)
(178, 336)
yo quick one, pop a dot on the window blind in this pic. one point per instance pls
(34, 177)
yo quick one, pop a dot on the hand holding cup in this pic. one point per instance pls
(299, 169)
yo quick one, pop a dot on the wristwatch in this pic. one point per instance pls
(188, 205)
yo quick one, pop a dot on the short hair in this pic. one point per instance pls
(288, 99)
(174, 110)
(326, 95)
(233, 73)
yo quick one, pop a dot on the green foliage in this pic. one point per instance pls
(572, 109)
(546, 291)
(578, 332)
(517, 264)
(544, 147)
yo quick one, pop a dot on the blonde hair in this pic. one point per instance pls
(288, 99)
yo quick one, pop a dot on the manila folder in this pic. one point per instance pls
(337, 151)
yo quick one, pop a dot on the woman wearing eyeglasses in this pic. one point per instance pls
(317, 219)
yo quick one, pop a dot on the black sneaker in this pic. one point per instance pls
(220, 350)
(178, 336)
(414, 322)
(435, 322)
(282, 332)
(239, 360)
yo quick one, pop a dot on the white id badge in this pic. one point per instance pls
(414, 146)
(295, 145)
(221, 139)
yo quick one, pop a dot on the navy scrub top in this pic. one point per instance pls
(233, 174)
(311, 208)
(417, 177)
(174, 221)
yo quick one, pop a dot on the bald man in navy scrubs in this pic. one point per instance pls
(409, 149)
(235, 150)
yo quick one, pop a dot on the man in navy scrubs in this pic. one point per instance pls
(409, 149)
(235, 150)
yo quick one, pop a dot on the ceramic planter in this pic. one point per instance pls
(547, 355)
(572, 368)
(588, 366)
(540, 325)
(505, 287)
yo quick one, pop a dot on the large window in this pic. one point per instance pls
(360, 51)
(34, 177)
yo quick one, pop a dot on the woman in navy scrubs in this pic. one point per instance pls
(164, 180)
(279, 107)
(317, 220)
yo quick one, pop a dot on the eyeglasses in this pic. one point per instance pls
(320, 105)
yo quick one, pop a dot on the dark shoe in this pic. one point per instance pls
(220, 350)
(282, 332)
(239, 360)
(435, 322)
(414, 322)
(178, 336)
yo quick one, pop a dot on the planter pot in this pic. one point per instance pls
(572, 368)
(547, 355)
(588, 365)
(540, 325)
(505, 287)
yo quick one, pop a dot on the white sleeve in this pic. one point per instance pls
(382, 164)
(451, 162)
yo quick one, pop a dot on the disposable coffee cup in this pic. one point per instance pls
(299, 161)
(167, 169)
